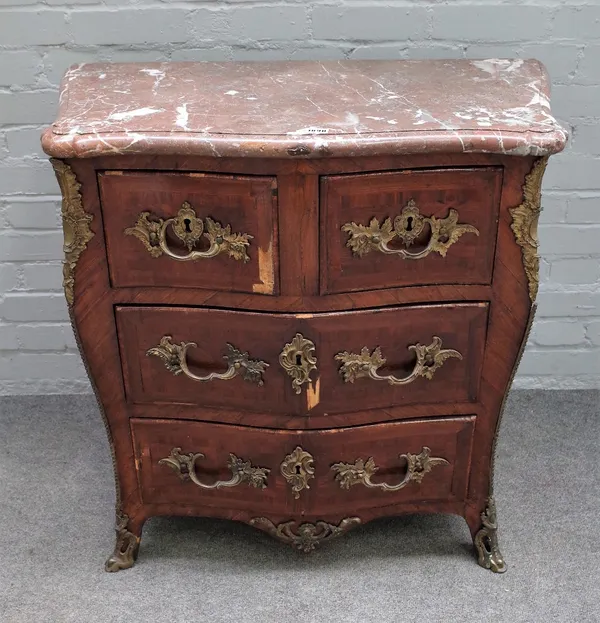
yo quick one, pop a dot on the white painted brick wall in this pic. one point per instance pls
(39, 39)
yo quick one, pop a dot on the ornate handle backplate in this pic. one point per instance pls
(366, 364)
(407, 227)
(298, 360)
(184, 465)
(152, 232)
(174, 357)
(361, 471)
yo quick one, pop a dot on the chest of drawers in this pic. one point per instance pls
(301, 289)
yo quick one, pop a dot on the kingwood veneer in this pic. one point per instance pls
(302, 289)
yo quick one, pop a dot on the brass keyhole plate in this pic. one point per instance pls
(298, 468)
(298, 360)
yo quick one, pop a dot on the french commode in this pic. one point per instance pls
(301, 289)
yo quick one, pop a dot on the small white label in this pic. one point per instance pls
(309, 131)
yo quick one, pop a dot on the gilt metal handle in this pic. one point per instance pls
(184, 465)
(407, 227)
(152, 232)
(361, 471)
(174, 357)
(366, 364)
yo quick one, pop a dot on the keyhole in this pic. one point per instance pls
(298, 359)
(187, 223)
(409, 222)
(298, 469)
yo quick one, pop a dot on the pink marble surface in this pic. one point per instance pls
(305, 109)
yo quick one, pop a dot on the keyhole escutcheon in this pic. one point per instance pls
(298, 360)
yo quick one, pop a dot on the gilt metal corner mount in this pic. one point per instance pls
(76, 224)
(525, 224)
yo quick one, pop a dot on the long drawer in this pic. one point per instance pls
(302, 364)
(342, 471)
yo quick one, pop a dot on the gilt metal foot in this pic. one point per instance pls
(486, 540)
(126, 547)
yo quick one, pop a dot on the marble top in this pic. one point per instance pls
(305, 108)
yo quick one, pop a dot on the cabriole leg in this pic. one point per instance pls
(486, 540)
(126, 547)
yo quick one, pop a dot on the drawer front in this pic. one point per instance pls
(408, 228)
(382, 464)
(152, 369)
(166, 476)
(303, 364)
(322, 471)
(190, 230)
(370, 358)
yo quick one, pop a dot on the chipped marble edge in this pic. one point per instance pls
(226, 146)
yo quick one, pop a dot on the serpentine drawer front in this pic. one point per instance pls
(339, 363)
(190, 230)
(199, 464)
(302, 289)
(408, 228)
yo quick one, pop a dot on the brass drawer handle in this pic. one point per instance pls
(184, 465)
(174, 357)
(360, 472)
(152, 231)
(407, 227)
(366, 364)
(298, 360)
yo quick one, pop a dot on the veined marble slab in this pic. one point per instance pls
(306, 108)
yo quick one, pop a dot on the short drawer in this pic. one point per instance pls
(162, 447)
(322, 471)
(302, 364)
(190, 230)
(408, 228)
(368, 466)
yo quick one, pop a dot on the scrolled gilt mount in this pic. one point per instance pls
(361, 471)
(174, 357)
(298, 468)
(298, 360)
(76, 224)
(366, 364)
(184, 465)
(152, 232)
(126, 547)
(524, 224)
(307, 536)
(406, 228)
(486, 540)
